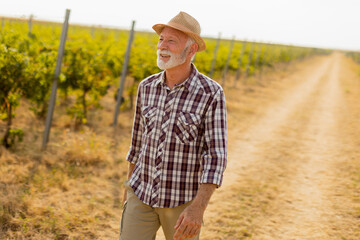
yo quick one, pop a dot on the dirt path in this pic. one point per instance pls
(286, 177)
(304, 210)
(282, 180)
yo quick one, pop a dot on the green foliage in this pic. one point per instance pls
(142, 61)
(40, 75)
(86, 73)
(15, 135)
(12, 75)
(94, 58)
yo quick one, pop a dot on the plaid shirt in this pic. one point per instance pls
(178, 139)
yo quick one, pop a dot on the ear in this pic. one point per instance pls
(193, 49)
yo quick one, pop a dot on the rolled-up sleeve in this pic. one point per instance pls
(214, 157)
(138, 128)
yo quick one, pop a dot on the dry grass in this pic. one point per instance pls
(73, 189)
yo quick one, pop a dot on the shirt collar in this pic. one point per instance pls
(189, 83)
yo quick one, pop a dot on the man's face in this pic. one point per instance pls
(171, 49)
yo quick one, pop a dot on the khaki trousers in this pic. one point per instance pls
(141, 222)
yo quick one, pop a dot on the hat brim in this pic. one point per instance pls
(199, 41)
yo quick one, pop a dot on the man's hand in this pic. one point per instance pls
(189, 223)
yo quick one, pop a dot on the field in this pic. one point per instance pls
(293, 168)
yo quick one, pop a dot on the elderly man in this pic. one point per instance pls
(178, 150)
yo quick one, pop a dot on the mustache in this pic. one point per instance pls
(164, 52)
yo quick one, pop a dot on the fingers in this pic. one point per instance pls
(188, 224)
(191, 230)
(186, 230)
(194, 231)
(179, 221)
(179, 232)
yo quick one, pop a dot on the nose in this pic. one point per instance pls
(162, 45)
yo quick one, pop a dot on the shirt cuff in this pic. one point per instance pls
(132, 156)
(212, 177)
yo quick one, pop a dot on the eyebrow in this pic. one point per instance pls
(172, 36)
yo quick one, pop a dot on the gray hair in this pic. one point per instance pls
(189, 42)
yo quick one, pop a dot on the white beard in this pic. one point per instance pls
(175, 59)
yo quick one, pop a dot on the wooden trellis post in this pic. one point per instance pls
(55, 83)
(123, 74)
(30, 24)
(2, 24)
(258, 55)
(227, 61)
(215, 54)
(249, 61)
(241, 55)
(263, 62)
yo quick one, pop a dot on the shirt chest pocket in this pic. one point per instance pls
(149, 116)
(187, 127)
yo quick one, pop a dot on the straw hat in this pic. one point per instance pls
(186, 24)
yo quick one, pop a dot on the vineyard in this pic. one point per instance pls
(73, 189)
(93, 61)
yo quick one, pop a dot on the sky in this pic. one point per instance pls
(316, 23)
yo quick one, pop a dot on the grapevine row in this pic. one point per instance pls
(93, 60)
